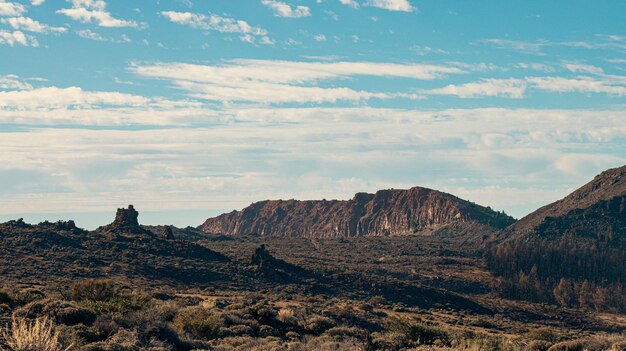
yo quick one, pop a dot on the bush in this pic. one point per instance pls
(119, 304)
(319, 324)
(94, 290)
(58, 311)
(40, 335)
(198, 322)
(416, 331)
(287, 316)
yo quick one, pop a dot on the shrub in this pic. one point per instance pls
(40, 335)
(198, 322)
(58, 311)
(319, 324)
(94, 290)
(287, 316)
(416, 331)
(345, 333)
(119, 304)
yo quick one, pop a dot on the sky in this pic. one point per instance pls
(189, 108)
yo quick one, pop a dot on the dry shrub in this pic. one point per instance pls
(39, 335)
(94, 290)
(287, 316)
(198, 322)
(595, 343)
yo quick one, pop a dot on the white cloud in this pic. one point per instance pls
(37, 2)
(282, 9)
(283, 81)
(64, 97)
(582, 68)
(391, 5)
(252, 154)
(217, 23)
(527, 47)
(580, 84)
(91, 35)
(510, 88)
(17, 37)
(94, 11)
(14, 82)
(30, 25)
(11, 8)
(320, 37)
(351, 3)
(516, 88)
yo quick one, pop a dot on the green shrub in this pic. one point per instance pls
(198, 322)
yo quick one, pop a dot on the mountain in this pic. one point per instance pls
(572, 251)
(387, 212)
(597, 207)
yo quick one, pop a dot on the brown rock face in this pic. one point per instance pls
(387, 212)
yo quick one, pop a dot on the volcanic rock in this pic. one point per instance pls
(126, 222)
(387, 212)
(265, 263)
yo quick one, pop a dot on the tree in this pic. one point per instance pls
(563, 293)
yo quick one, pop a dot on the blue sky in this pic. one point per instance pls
(191, 108)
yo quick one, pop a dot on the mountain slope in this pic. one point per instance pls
(589, 209)
(572, 251)
(387, 212)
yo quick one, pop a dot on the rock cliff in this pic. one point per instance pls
(387, 212)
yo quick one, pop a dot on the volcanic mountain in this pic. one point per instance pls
(578, 242)
(387, 212)
(596, 209)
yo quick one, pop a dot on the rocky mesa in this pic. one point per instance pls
(387, 212)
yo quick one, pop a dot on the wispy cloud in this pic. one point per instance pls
(526, 47)
(220, 24)
(30, 25)
(282, 9)
(8, 8)
(17, 38)
(392, 5)
(267, 81)
(91, 35)
(510, 88)
(13, 82)
(517, 88)
(94, 11)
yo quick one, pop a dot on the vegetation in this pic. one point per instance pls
(255, 322)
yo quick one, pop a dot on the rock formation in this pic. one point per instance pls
(126, 222)
(265, 263)
(387, 212)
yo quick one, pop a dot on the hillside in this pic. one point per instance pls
(387, 212)
(603, 196)
(572, 251)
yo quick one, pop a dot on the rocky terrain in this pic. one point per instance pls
(387, 212)
(409, 269)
